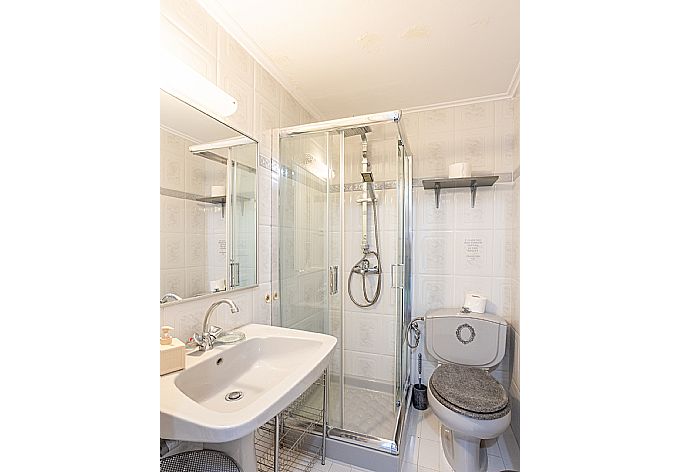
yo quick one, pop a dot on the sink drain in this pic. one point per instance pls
(232, 396)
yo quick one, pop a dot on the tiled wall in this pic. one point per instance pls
(369, 337)
(188, 32)
(459, 249)
(193, 239)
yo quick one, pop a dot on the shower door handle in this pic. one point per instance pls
(333, 280)
(396, 275)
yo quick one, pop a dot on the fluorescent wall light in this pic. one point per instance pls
(180, 80)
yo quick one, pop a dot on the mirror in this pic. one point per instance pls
(208, 204)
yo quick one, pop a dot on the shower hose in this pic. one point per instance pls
(362, 265)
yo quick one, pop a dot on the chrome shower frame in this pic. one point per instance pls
(400, 271)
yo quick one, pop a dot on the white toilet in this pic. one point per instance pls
(468, 401)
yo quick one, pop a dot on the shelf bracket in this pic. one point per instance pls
(437, 191)
(473, 189)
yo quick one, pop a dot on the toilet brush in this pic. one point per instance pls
(419, 396)
(419, 367)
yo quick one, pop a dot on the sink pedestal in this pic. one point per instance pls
(241, 450)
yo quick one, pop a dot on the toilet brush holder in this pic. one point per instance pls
(420, 399)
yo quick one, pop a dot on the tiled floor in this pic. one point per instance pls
(425, 454)
(366, 411)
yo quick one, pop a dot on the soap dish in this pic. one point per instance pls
(230, 337)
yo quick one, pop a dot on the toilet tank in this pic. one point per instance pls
(471, 339)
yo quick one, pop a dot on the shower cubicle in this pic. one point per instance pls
(344, 202)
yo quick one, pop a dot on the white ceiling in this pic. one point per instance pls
(343, 58)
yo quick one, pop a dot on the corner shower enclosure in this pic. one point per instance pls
(332, 174)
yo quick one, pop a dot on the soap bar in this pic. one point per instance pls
(172, 356)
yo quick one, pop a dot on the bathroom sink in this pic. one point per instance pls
(269, 369)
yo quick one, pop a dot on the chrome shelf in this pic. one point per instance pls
(300, 441)
(472, 182)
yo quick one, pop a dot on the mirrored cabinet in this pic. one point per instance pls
(208, 204)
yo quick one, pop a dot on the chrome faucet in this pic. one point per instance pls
(208, 334)
(170, 296)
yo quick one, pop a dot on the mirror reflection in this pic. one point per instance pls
(208, 193)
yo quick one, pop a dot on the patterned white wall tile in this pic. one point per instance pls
(434, 252)
(193, 20)
(264, 195)
(474, 252)
(363, 332)
(216, 250)
(369, 366)
(195, 250)
(505, 147)
(500, 302)
(196, 281)
(265, 119)
(477, 115)
(195, 174)
(435, 153)
(173, 281)
(503, 253)
(172, 161)
(427, 216)
(506, 112)
(267, 87)
(436, 121)
(387, 208)
(172, 214)
(289, 109)
(233, 56)
(477, 285)
(172, 251)
(479, 217)
(410, 122)
(382, 159)
(195, 217)
(175, 42)
(264, 249)
(262, 309)
(432, 291)
(503, 205)
(477, 147)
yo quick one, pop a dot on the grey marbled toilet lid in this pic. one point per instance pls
(470, 389)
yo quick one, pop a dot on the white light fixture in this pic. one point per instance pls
(180, 80)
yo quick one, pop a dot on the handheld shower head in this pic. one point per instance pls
(367, 177)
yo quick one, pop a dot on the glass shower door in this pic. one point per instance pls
(334, 217)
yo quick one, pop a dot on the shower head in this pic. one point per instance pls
(367, 177)
(359, 131)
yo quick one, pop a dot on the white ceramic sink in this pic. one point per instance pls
(271, 368)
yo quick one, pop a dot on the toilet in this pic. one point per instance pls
(468, 401)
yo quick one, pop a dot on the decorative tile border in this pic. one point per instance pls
(265, 162)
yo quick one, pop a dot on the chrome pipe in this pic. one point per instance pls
(276, 446)
(324, 420)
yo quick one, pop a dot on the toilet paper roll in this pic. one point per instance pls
(217, 190)
(460, 169)
(216, 285)
(475, 303)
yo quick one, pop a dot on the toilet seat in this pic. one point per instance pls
(469, 391)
